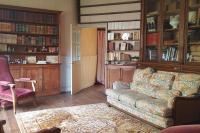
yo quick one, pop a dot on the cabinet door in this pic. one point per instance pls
(51, 80)
(127, 74)
(112, 74)
(34, 73)
(16, 72)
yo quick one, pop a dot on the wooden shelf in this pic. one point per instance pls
(123, 40)
(194, 6)
(171, 30)
(172, 12)
(152, 45)
(150, 14)
(27, 53)
(23, 22)
(150, 32)
(123, 50)
(194, 43)
(194, 27)
(122, 29)
(30, 34)
(28, 45)
(170, 44)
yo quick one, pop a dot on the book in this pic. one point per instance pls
(153, 39)
(52, 59)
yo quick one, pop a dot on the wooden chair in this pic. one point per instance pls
(2, 122)
(8, 92)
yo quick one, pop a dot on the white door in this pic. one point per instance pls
(76, 65)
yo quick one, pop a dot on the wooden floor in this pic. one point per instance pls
(90, 95)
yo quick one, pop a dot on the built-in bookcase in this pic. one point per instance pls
(29, 35)
(171, 32)
(193, 32)
(163, 32)
(123, 43)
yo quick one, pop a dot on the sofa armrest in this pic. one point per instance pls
(187, 110)
(121, 85)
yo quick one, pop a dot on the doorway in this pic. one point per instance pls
(88, 68)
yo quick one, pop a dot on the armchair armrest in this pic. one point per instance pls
(27, 80)
(187, 110)
(2, 122)
(6, 83)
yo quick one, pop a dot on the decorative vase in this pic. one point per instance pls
(174, 21)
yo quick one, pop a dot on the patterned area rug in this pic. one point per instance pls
(93, 118)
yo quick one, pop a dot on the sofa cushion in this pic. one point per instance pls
(163, 80)
(116, 93)
(142, 75)
(130, 98)
(147, 89)
(167, 95)
(188, 84)
(154, 106)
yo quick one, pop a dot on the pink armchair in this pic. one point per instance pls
(8, 92)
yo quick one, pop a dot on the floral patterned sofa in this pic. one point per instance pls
(160, 98)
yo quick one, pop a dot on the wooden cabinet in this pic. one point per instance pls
(47, 77)
(118, 73)
(127, 74)
(51, 80)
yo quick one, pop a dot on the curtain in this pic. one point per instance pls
(100, 55)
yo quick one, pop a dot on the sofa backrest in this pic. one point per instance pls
(149, 81)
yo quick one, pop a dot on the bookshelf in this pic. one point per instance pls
(163, 35)
(30, 39)
(123, 42)
(193, 31)
(28, 32)
(152, 33)
(170, 35)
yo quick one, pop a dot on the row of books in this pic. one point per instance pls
(8, 38)
(13, 49)
(22, 16)
(123, 46)
(151, 54)
(49, 59)
(170, 54)
(194, 55)
(27, 28)
(117, 56)
(124, 25)
(153, 39)
(28, 40)
(135, 35)
(40, 40)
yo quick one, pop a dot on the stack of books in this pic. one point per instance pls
(170, 54)
(151, 53)
(195, 53)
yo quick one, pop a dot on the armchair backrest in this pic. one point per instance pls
(5, 74)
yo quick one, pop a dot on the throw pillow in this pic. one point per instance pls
(188, 84)
(142, 75)
(162, 80)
